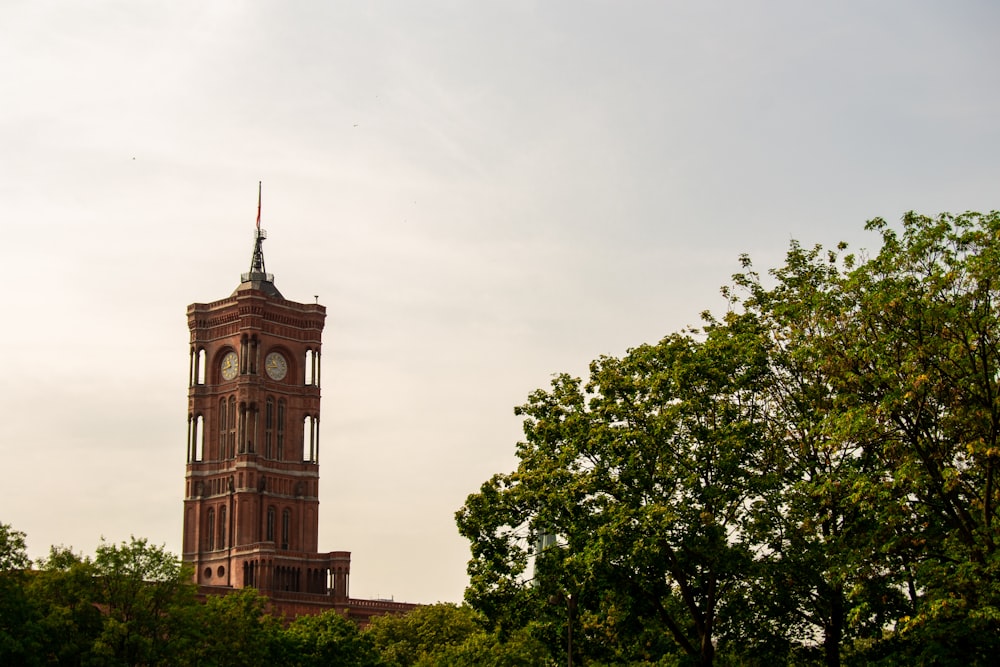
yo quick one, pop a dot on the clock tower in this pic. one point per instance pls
(251, 496)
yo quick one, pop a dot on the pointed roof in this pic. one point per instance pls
(258, 278)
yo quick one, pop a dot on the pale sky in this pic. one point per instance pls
(482, 194)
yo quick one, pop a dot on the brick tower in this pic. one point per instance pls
(251, 501)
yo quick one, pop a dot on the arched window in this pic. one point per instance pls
(199, 438)
(242, 430)
(312, 367)
(268, 427)
(222, 527)
(286, 527)
(244, 354)
(197, 366)
(280, 428)
(192, 437)
(310, 439)
(223, 425)
(271, 515)
(232, 427)
(210, 530)
(202, 368)
(253, 427)
(254, 351)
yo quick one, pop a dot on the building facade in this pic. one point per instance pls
(251, 492)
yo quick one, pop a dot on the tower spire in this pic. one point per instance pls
(257, 261)
(258, 277)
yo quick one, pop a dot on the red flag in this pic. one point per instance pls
(258, 206)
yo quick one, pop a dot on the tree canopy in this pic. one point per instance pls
(810, 477)
(134, 604)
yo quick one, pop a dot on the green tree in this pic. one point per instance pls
(145, 591)
(65, 593)
(416, 637)
(228, 630)
(484, 649)
(820, 571)
(888, 397)
(330, 639)
(813, 478)
(13, 549)
(916, 370)
(19, 637)
(644, 475)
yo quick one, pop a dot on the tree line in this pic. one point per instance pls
(135, 604)
(809, 478)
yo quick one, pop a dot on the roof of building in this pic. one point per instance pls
(258, 278)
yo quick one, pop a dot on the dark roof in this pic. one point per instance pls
(258, 280)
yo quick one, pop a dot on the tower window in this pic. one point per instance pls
(312, 367)
(254, 352)
(210, 529)
(242, 431)
(223, 422)
(271, 515)
(281, 429)
(196, 438)
(199, 372)
(232, 427)
(222, 528)
(199, 438)
(268, 427)
(286, 525)
(244, 354)
(310, 439)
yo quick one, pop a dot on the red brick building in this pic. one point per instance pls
(251, 496)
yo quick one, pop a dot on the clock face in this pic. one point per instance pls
(230, 366)
(276, 366)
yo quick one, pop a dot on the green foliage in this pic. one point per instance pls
(446, 635)
(643, 475)
(18, 630)
(13, 549)
(227, 630)
(134, 604)
(330, 639)
(819, 570)
(482, 649)
(407, 639)
(65, 593)
(917, 365)
(142, 587)
(812, 478)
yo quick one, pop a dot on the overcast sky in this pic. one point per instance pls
(482, 194)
